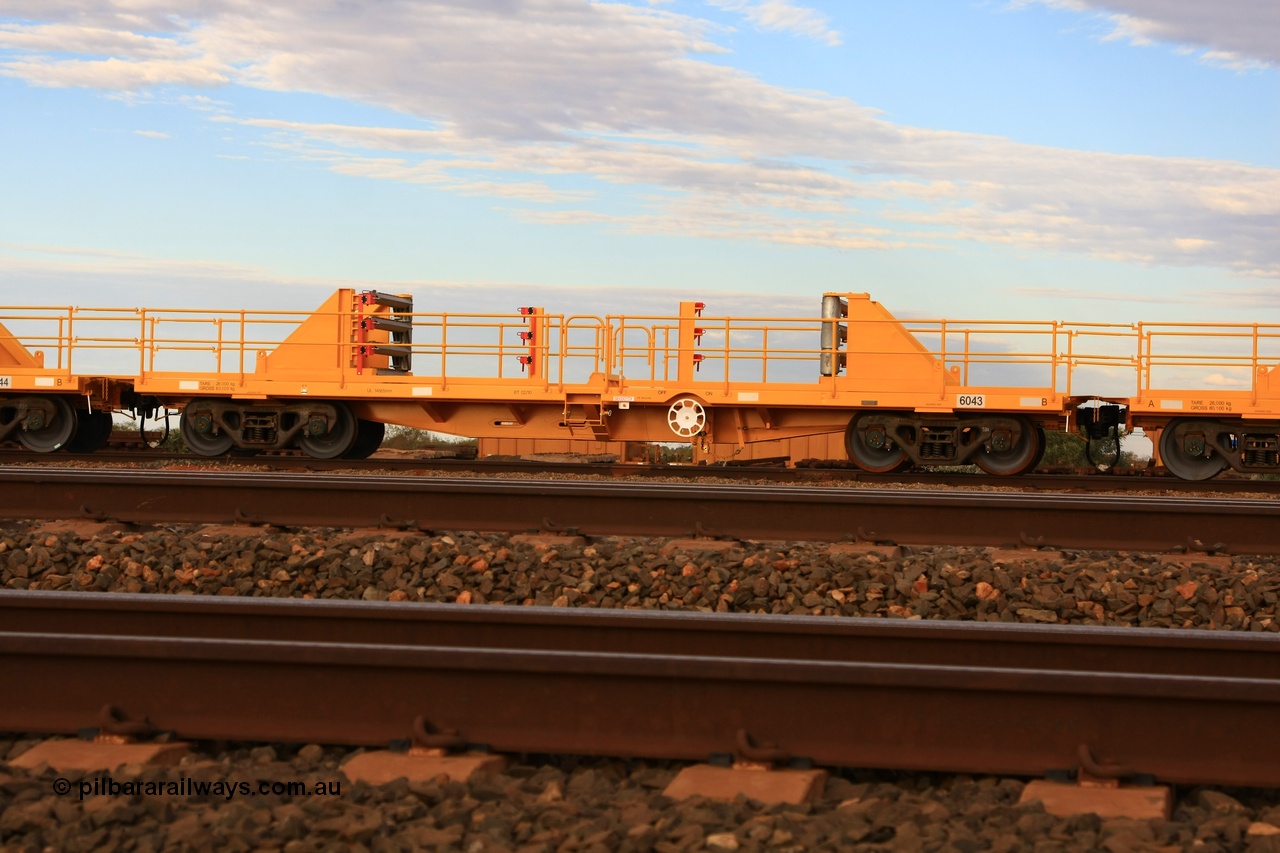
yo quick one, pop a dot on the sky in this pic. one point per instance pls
(1011, 159)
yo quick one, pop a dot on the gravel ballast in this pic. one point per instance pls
(568, 804)
(546, 804)
(982, 584)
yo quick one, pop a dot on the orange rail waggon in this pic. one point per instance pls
(903, 392)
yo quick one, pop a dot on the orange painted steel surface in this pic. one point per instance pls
(589, 366)
(692, 376)
(1185, 369)
(38, 395)
(23, 366)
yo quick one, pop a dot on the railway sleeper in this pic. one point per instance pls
(428, 753)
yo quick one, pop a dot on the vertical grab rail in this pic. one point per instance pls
(1071, 364)
(663, 348)
(1253, 369)
(1143, 366)
(502, 345)
(1053, 356)
(217, 345)
(604, 350)
(942, 354)
(142, 344)
(764, 356)
(562, 347)
(617, 359)
(1145, 353)
(444, 351)
(561, 352)
(243, 342)
(727, 333)
(70, 319)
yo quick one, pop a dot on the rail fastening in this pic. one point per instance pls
(818, 513)
(1185, 707)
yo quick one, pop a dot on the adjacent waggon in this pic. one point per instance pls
(903, 392)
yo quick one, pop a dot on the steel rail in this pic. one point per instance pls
(1008, 645)
(968, 716)
(1127, 480)
(756, 511)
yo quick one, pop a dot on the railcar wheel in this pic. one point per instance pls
(1182, 461)
(337, 441)
(871, 447)
(687, 417)
(369, 435)
(197, 428)
(54, 433)
(1018, 458)
(93, 430)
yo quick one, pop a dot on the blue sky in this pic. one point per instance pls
(1055, 159)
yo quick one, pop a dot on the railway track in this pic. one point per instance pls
(972, 698)
(757, 511)
(1069, 479)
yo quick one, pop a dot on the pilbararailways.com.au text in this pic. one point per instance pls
(226, 789)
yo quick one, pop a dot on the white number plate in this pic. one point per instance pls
(970, 401)
(6, 381)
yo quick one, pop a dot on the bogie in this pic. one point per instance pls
(873, 445)
(203, 432)
(1201, 448)
(41, 424)
(323, 429)
(328, 437)
(1012, 447)
(1004, 445)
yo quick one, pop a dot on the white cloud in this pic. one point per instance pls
(67, 38)
(112, 73)
(80, 276)
(1240, 34)
(563, 104)
(1085, 295)
(1219, 380)
(153, 134)
(783, 16)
